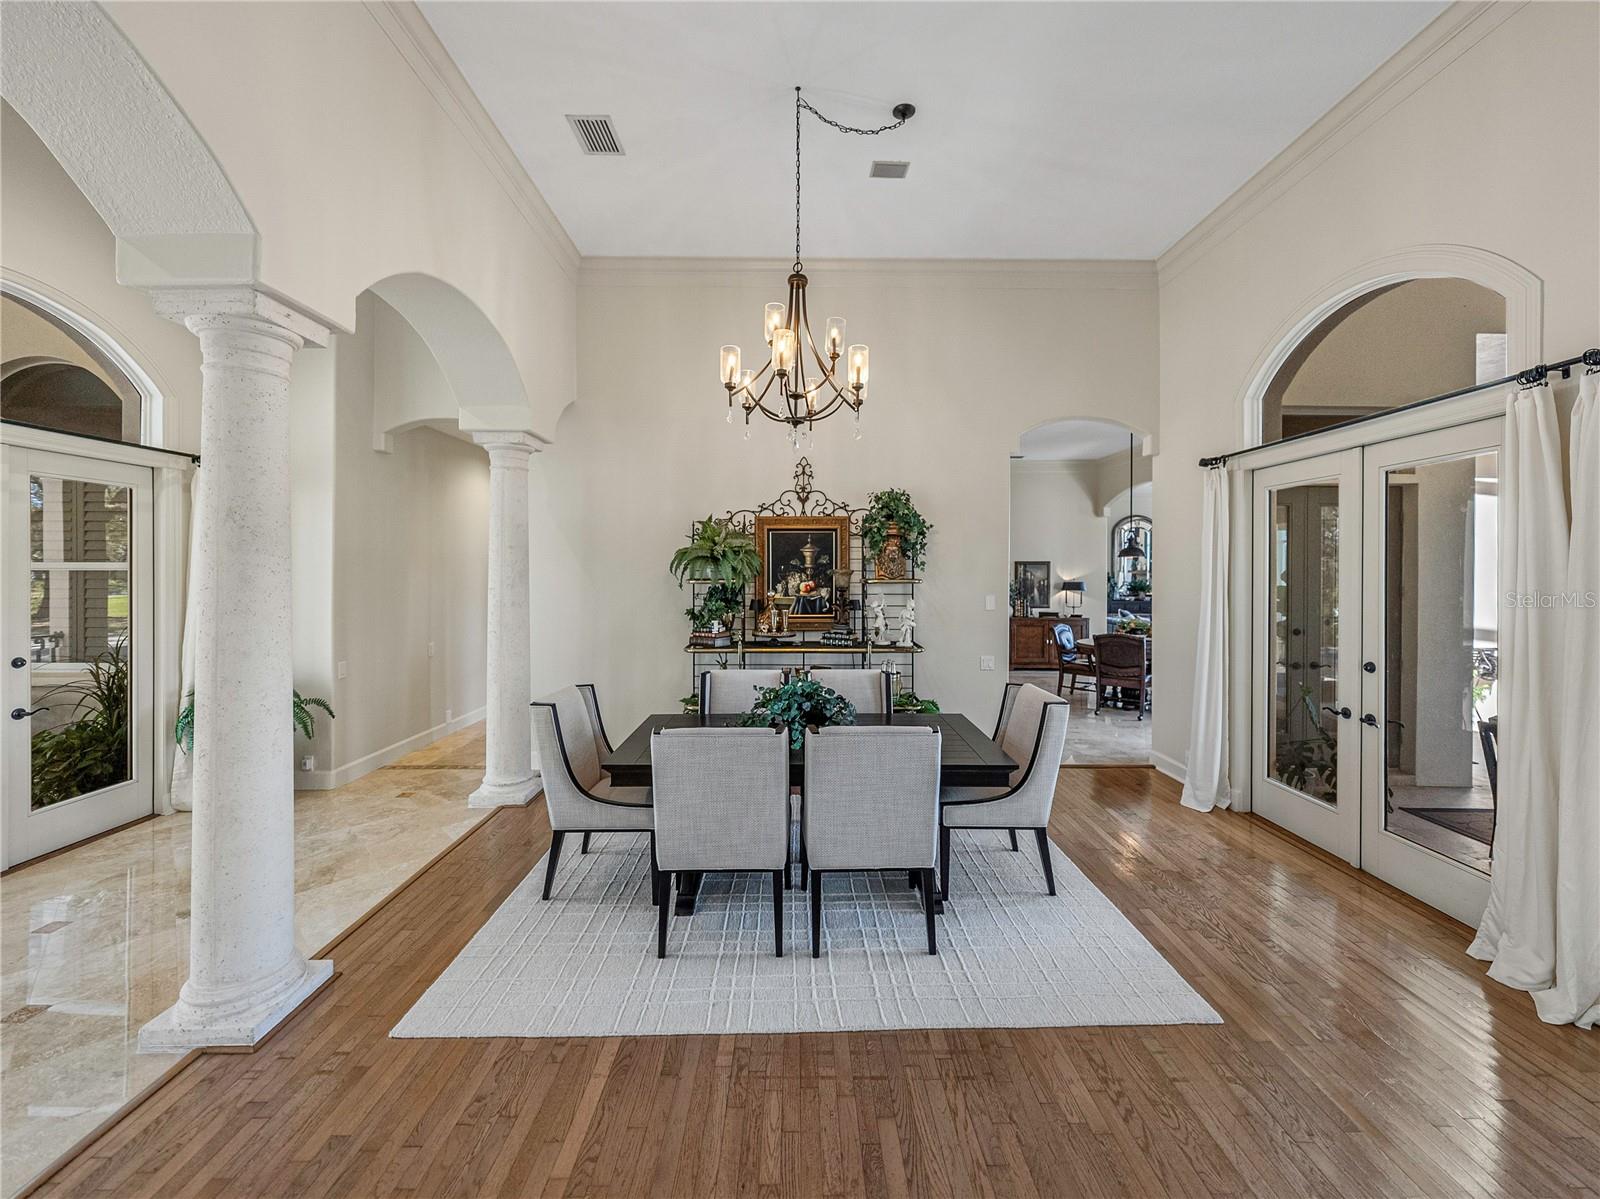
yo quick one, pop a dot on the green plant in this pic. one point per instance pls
(895, 506)
(717, 552)
(722, 601)
(1136, 625)
(909, 701)
(305, 721)
(798, 705)
(91, 751)
(1138, 586)
(690, 703)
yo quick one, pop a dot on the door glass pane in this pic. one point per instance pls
(71, 520)
(1302, 733)
(1441, 649)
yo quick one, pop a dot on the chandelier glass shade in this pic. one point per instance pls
(803, 380)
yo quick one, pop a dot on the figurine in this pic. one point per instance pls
(880, 622)
(908, 624)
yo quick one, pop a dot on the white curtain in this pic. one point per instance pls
(1575, 997)
(1206, 778)
(181, 797)
(1518, 930)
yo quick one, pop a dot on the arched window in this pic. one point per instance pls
(55, 377)
(1130, 574)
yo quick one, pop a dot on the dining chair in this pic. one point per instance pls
(734, 690)
(1033, 732)
(871, 803)
(578, 796)
(1073, 659)
(1122, 660)
(721, 804)
(868, 689)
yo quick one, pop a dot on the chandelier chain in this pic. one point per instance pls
(799, 104)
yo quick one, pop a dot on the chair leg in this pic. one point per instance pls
(816, 913)
(779, 879)
(1060, 677)
(927, 908)
(805, 868)
(944, 861)
(663, 910)
(551, 860)
(584, 848)
(1044, 859)
(655, 872)
(1013, 833)
(911, 880)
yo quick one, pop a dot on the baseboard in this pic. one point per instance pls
(1170, 767)
(327, 780)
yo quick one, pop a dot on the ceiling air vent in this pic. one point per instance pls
(888, 170)
(596, 134)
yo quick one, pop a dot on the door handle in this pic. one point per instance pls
(1370, 667)
(1369, 720)
(1342, 713)
(24, 713)
(18, 663)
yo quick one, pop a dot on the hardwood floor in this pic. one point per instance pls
(1363, 1054)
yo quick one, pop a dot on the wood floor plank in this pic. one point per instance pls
(1362, 1055)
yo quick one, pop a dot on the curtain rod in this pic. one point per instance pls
(1534, 376)
(132, 445)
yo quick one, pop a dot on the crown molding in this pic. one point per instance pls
(1450, 35)
(1099, 274)
(402, 21)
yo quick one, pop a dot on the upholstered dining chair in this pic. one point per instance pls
(1033, 732)
(867, 689)
(1122, 660)
(578, 796)
(722, 803)
(1073, 659)
(871, 803)
(734, 690)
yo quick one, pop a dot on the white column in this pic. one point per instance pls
(245, 973)
(509, 776)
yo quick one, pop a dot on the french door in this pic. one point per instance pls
(75, 631)
(1376, 657)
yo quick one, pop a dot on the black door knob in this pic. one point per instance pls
(24, 713)
(1369, 720)
(1342, 713)
(1370, 667)
(18, 663)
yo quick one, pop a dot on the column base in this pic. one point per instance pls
(501, 795)
(180, 1029)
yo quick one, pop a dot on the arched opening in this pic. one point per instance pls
(1082, 570)
(1383, 349)
(55, 376)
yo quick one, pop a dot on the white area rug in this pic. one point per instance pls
(1010, 956)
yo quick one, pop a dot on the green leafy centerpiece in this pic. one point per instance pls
(798, 705)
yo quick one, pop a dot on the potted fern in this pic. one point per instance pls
(716, 553)
(305, 721)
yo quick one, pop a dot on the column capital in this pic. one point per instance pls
(509, 445)
(191, 305)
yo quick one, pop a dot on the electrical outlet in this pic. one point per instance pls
(448, 715)
(344, 670)
(988, 603)
(307, 764)
(986, 662)
(430, 649)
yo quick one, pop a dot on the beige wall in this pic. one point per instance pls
(53, 241)
(1421, 156)
(1054, 520)
(964, 358)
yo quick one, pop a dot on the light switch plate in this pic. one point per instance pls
(986, 662)
(988, 603)
(344, 670)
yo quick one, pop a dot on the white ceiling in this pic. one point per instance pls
(1043, 130)
(1075, 440)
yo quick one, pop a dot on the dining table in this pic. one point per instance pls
(968, 757)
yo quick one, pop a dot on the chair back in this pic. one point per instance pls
(1035, 737)
(569, 754)
(725, 691)
(1120, 655)
(1079, 626)
(872, 797)
(721, 798)
(867, 689)
(1066, 642)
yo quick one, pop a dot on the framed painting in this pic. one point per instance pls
(798, 557)
(1032, 581)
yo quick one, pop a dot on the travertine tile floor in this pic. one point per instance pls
(94, 942)
(1114, 737)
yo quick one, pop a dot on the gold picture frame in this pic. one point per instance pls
(799, 555)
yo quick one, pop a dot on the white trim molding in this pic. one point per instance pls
(1169, 766)
(328, 780)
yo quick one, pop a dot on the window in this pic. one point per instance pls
(53, 376)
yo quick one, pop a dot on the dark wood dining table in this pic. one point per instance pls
(967, 758)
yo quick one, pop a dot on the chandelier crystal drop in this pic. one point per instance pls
(803, 381)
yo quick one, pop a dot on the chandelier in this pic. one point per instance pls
(786, 388)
